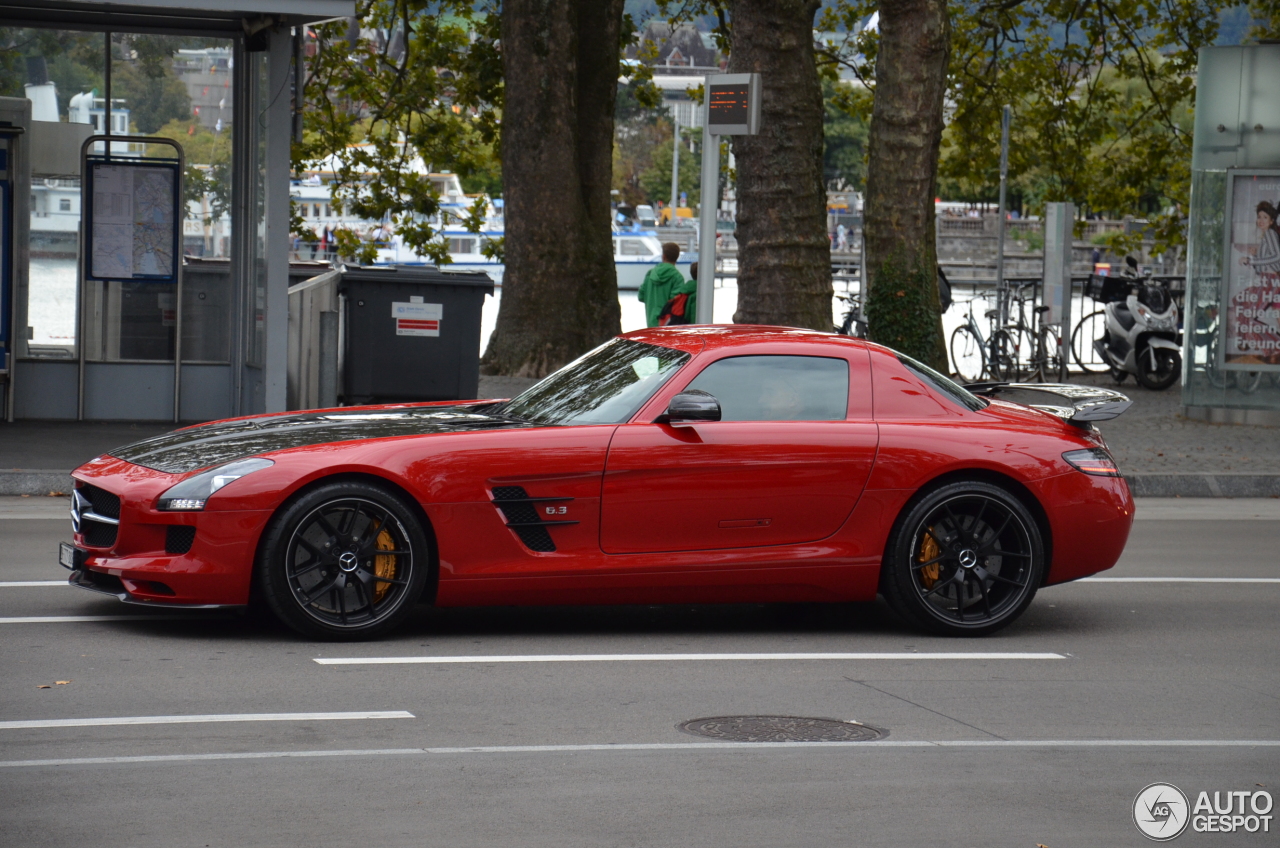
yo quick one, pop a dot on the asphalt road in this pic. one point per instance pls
(1133, 682)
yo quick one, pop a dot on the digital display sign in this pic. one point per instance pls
(729, 104)
(733, 104)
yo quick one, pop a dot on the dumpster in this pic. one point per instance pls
(411, 333)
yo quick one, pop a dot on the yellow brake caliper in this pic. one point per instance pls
(384, 565)
(929, 550)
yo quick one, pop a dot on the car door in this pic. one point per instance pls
(785, 464)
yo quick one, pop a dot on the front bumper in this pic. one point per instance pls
(211, 569)
(129, 591)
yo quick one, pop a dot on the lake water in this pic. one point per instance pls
(51, 312)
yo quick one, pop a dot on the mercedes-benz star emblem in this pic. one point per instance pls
(968, 558)
(348, 562)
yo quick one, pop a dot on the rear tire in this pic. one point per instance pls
(345, 561)
(1091, 327)
(968, 360)
(965, 559)
(1003, 362)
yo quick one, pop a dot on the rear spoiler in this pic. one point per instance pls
(1080, 405)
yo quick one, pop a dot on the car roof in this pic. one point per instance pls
(695, 338)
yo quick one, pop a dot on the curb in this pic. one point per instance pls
(1219, 485)
(19, 482)
(1142, 484)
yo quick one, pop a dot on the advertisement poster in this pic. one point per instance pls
(1251, 275)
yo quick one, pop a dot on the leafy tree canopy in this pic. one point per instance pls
(416, 86)
(1101, 93)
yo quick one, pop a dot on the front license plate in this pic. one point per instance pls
(69, 556)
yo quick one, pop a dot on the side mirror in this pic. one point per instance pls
(691, 406)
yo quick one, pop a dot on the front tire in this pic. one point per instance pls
(965, 559)
(344, 561)
(1168, 366)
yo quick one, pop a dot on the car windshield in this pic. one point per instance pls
(606, 386)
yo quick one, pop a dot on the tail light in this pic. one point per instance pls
(1095, 461)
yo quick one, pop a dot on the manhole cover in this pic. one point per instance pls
(781, 729)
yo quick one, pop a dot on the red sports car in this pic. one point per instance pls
(682, 465)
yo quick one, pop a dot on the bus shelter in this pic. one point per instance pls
(1231, 366)
(144, 268)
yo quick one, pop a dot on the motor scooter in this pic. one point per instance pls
(1141, 335)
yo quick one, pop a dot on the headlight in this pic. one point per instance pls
(191, 494)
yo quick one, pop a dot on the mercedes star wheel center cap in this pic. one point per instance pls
(348, 562)
(968, 558)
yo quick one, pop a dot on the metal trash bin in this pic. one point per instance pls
(412, 333)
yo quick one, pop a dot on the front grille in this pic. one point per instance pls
(104, 503)
(97, 534)
(179, 538)
(521, 515)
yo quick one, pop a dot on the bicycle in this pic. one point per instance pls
(975, 357)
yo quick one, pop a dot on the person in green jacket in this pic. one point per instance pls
(660, 284)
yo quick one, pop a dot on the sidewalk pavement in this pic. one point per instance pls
(1161, 453)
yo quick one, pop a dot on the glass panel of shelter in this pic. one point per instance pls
(188, 97)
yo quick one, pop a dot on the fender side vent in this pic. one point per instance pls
(520, 512)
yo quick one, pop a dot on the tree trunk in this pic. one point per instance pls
(902, 172)
(784, 256)
(560, 288)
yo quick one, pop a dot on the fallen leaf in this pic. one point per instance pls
(44, 686)
(62, 682)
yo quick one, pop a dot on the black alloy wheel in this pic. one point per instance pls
(345, 561)
(965, 559)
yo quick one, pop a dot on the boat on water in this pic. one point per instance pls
(634, 255)
(635, 252)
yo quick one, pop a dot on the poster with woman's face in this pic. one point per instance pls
(1251, 332)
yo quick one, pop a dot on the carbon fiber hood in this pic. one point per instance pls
(208, 445)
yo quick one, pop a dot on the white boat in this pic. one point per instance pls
(634, 255)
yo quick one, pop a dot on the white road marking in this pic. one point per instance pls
(1179, 580)
(30, 584)
(76, 619)
(544, 658)
(675, 746)
(199, 719)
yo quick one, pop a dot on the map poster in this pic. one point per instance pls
(1251, 272)
(133, 221)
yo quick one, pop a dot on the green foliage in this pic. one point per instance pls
(902, 312)
(208, 156)
(845, 130)
(153, 94)
(420, 87)
(1101, 92)
(74, 61)
(655, 181)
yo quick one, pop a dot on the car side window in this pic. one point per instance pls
(778, 388)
